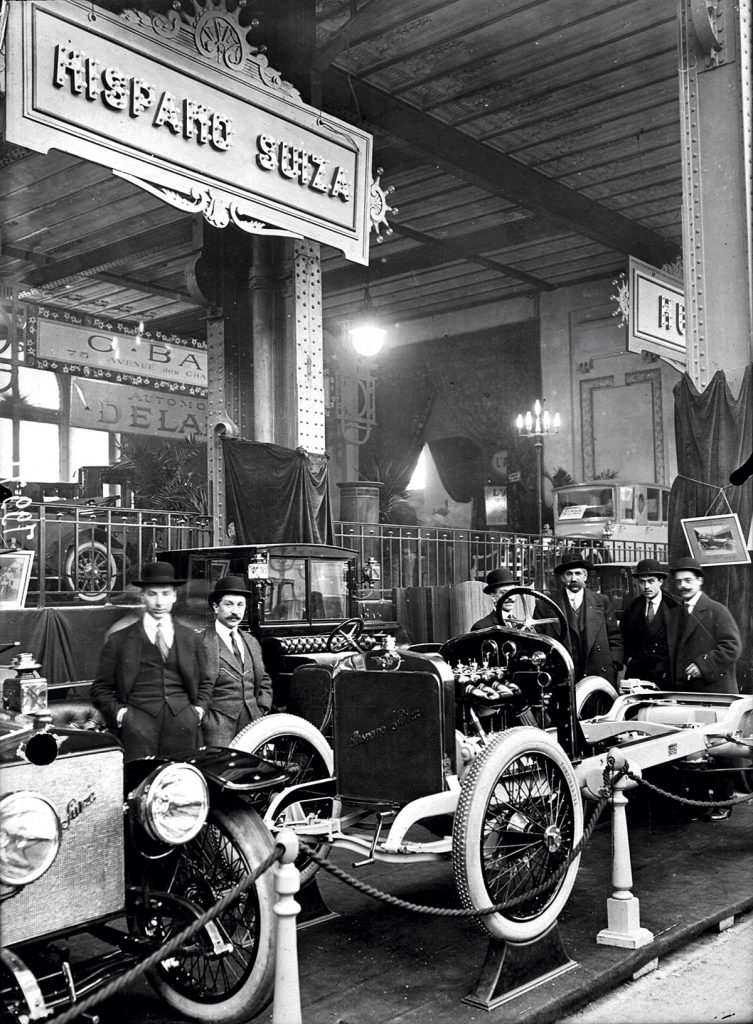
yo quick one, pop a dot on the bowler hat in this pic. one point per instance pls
(572, 561)
(499, 578)
(228, 585)
(686, 565)
(649, 567)
(154, 574)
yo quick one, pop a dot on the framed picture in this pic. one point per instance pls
(15, 570)
(716, 540)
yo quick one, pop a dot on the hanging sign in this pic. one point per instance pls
(183, 105)
(101, 350)
(657, 313)
(119, 407)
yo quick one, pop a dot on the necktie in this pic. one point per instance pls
(161, 642)
(235, 646)
(650, 611)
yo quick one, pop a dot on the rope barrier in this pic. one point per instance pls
(689, 801)
(172, 945)
(396, 901)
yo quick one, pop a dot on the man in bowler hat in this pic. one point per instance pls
(703, 638)
(593, 636)
(242, 688)
(704, 646)
(644, 625)
(152, 682)
(497, 582)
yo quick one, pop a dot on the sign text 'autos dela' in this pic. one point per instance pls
(181, 116)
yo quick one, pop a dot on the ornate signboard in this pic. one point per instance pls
(100, 350)
(184, 106)
(118, 407)
(657, 313)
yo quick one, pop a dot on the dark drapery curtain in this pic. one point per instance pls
(275, 494)
(458, 462)
(403, 402)
(65, 641)
(714, 432)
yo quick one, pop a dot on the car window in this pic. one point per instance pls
(285, 598)
(329, 593)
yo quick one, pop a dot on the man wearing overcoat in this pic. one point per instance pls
(242, 688)
(702, 636)
(644, 626)
(152, 682)
(593, 635)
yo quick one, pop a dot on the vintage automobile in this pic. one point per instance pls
(298, 595)
(130, 855)
(474, 753)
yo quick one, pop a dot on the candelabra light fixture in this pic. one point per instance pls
(538, 424)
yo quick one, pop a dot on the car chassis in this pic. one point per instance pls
(445, 741)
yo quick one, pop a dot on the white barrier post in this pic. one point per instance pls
(286, 1008)
(623, 908)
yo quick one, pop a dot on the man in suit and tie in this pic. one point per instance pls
(703, 638)
(704, 646)
(242, 688)
(152, 682)
(593, 636)
(644, 626)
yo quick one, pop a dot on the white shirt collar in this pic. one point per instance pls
(165, 624)
(223, 632)
(691, 603)
(576, 600)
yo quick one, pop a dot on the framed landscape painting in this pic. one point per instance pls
(716, 540)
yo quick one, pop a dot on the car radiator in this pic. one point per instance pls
(86, 880)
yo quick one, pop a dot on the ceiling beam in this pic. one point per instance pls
(115, 251)
(374, 18)
(493, 171)
(436, 250)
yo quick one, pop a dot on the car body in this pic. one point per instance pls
(298, 593)
(86, 841)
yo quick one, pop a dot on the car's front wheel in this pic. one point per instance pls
(225, 974)
(297, 746)
(518, 818)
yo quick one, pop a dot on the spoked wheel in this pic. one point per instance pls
(226, 973)
(296, 745)
(593, 696)
(90, 570)
(519, 816)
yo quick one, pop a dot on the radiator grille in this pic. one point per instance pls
(389, 736)
(86, 880)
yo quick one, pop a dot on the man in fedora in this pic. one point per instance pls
(703, 639)
(242, 688)
(152, 682)
(593, 636)
(497, 582)
(644, 626)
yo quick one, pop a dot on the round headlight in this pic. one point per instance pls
(29, 837)
(173, 803)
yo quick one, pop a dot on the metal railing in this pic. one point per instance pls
(412, 556)
(91, 552)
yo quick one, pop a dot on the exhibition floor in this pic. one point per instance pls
(375, 964)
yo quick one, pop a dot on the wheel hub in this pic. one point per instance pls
(552, 838)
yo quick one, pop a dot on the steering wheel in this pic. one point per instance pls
(343, 636)
(530, 624)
